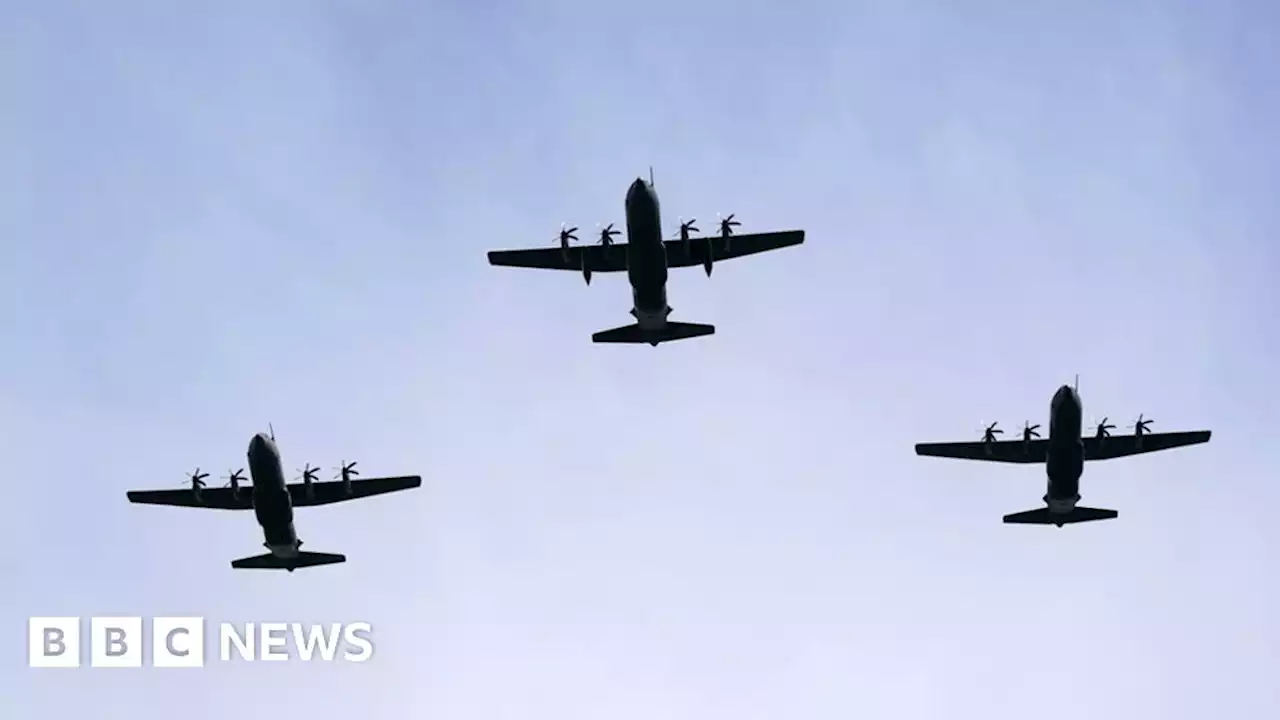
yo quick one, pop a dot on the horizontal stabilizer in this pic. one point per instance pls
(274, 562)
(636, 335)
(1042, 516)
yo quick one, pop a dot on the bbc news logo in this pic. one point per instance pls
(180, 642)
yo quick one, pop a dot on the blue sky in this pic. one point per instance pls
(213, 219)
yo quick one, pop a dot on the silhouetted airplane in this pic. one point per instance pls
(1064, 454)
(646, 258)
(272, 499)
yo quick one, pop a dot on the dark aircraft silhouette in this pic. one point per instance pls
(272, 499)
(1063, 454)
(646, 257)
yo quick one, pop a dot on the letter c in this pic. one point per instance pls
(168, 642)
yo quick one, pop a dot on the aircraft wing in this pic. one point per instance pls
(1006, 451)
(213, 498)
(598, 257)
(1126, 445)
(327, 493)
(738, 246)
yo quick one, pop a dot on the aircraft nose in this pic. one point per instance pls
(258, 444)
(637, 189)
(1065, 395)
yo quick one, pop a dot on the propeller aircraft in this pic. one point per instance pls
(273, 499)
(646, 258)
(1063, 454)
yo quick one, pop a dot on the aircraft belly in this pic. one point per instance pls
(1063, 491)
(283, 551)
(648, 275)
(272, 507)
(280, 535)
(650, 299)
(1064, 464)
(650, 320)
(1061, 505)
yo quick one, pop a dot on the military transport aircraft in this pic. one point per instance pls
(1064, 454)
(272, 499)
(646, 258)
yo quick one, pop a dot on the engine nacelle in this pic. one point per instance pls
(586, 269)
(709, 259)
(345, 472)
(310, 491)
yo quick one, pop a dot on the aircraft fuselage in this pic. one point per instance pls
(1065, 455)
(646, 256)
(272, 503)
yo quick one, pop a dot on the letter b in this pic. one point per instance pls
(116, 641)
(116, 646)
(53, 642)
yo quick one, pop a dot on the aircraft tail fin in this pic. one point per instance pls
(1042, 516)
(274, 562)
(636, 335)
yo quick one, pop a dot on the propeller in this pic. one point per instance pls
(567, 234)
(989, 435)
(1029, 431)
(345, 471)
(727, 224)
(683, 233)
(308, 473)
(1104, 430)
(233, 477)
(1141, 426)
(196, 479)
(607, 233)
(686, 228)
